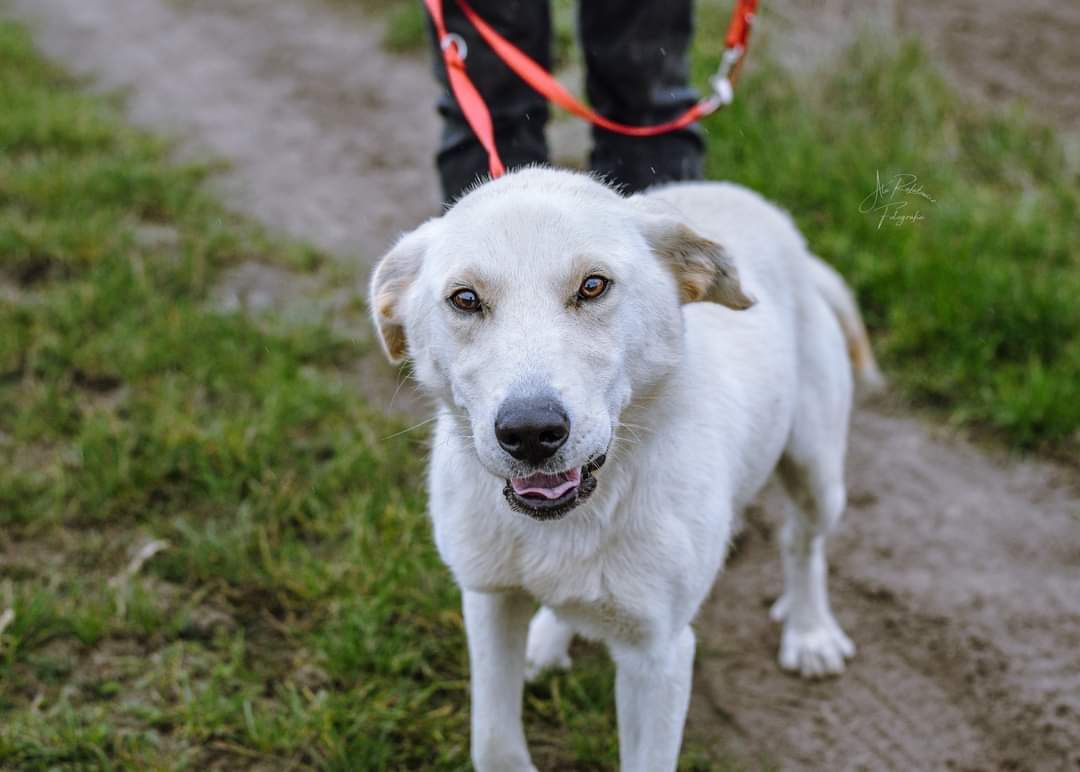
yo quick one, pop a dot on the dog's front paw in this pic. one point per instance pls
(817, 651)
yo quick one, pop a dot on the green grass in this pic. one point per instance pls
(406, 27)
(298, 616)
(973, 308)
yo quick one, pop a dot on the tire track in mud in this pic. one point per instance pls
(956, 572)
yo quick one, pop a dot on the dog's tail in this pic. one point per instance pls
(830, 285)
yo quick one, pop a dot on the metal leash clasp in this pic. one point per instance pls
(723, 88)
(458, 42)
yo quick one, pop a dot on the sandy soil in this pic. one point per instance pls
(957, 572)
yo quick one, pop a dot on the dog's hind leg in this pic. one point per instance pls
(549, 644)
(812, 473)
(812, 642)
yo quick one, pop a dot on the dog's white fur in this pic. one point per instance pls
(696, 404)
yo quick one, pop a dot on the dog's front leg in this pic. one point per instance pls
(497, 625)
(652, 693)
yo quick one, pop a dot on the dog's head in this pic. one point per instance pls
(539, 306)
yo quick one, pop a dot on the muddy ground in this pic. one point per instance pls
(957, 571)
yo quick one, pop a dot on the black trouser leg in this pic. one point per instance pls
(637, 55)
(518, 113)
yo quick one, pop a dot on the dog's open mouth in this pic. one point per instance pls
(545, 496)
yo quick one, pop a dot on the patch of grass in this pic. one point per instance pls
(298, 616)
(406, 27)
(972, 306)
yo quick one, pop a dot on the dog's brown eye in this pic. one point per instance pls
(465, 300)
(593, 287)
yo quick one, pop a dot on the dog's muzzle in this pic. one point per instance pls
(548, 497)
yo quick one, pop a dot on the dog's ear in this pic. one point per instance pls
(392, 278)
(703, 269)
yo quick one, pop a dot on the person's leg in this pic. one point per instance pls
(637, 57)
(518, 113)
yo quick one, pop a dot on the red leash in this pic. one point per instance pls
(479, 118)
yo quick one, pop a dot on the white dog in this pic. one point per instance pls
(599, 430)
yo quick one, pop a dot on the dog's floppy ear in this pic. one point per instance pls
(703, 269)
(391, 280)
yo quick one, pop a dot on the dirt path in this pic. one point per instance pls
(958, 575)
(327, 136)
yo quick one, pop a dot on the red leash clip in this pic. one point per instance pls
(479, 117)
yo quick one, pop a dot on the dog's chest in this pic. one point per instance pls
(632, 562)
(614, 589)
(597, 600)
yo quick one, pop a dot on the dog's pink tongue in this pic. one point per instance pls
(550, 486)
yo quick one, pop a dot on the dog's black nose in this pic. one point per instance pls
(532, 429)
